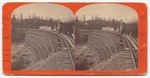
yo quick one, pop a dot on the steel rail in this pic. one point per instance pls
(69, 51)
(131, 51)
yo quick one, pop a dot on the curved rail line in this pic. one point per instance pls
(68, 43)
(100, 49)
(104, 45)
(135, 46)
(131, 45)
(43, 41)
(136, 42)
(109, 39)
(35, 48)
(104, 42)
(35, 33)
(71, 39)
(68, 60)
(39, 45)
(50, 35)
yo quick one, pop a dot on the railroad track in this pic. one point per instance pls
(99, 43)
(45, 38)
(129, 47)
(37, 42)
(100, 50)
(104, 44)
(67, 52)
(135, 43)
(111, 40)
(107, 40)
(130, 53)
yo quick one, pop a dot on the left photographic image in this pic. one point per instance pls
(42, 37)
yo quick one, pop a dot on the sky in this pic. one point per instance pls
(55, 11)
(116, 11)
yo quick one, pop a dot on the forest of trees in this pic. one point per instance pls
(30, 22)
(96, 23)
(34, 22)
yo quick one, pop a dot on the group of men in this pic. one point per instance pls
(122, 28)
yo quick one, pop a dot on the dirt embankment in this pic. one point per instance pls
(21, 57)
(88, 59)
(85, 58)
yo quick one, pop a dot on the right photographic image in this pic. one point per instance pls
(106, 37)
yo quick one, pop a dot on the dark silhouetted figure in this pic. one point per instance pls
(59, 27)
(122, 28)
(122, 31)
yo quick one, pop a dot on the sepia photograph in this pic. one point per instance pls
(48, 36)
(106, 37)
(74, 38)
(42, 37)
